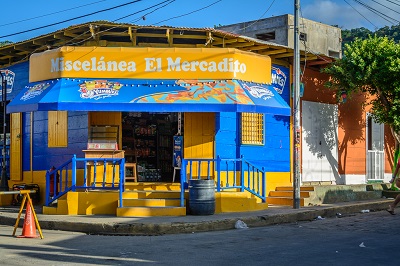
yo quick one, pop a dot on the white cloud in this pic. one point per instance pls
(345, 16)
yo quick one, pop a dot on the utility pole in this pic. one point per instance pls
(4, 181)
(296, 108)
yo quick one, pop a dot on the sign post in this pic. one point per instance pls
(296, 109)
(4, 181)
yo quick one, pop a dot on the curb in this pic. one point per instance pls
(138, 228)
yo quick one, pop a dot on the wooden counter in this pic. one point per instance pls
(104, 153)
(100, 168)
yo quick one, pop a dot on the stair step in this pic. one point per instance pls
(283, 201)
(289, 188)
(150, 211)
(152, 186)
(284, 193)
(152, 202)
(151, 194)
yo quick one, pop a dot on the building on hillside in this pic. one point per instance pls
(341, 144)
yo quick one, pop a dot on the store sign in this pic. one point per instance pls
(9, 76)
(278, 79)
(149, 63)
(178, 144)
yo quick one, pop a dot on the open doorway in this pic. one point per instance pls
(147, 139)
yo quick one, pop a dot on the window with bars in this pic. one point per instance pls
(252, 128)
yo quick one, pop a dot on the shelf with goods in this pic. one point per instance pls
(145, 136)
(164, 152)
(103, 137)
(128, 145)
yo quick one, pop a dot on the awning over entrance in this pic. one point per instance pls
(132, 95)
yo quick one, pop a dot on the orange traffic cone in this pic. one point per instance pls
(29, 228)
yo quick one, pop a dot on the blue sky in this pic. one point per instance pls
(29, 14)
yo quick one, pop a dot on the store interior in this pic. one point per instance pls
(147, 139)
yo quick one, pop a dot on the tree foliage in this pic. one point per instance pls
(392, 32)
(5, 43)
(371, 66)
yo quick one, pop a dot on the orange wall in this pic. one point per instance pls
(352, 125)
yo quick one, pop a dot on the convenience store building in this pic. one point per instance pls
(223, 101)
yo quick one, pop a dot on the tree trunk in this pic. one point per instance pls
(396, 136)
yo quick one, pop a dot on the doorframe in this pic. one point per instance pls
(334, 176)
(367, 142)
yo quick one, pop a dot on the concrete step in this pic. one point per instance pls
(290, 188)
(49, 210)
(151, 202)
(150, 211)
(284, 193)
(237, 202)
(140, 186)
(286, 201)
(152, 194)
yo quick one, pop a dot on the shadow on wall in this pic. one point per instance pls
(350, 120)
(352, 123)
(320, 133)
(389, 149)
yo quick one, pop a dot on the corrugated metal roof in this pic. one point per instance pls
(105, 33)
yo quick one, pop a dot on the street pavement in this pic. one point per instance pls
(112, 225)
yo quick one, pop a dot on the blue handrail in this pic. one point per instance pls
(235, 171)
(57, 180)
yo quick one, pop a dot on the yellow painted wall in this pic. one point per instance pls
(277, 179)
(39, 178)
(199, 138)
(273, 180)
(86, 203)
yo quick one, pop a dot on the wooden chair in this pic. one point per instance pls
(131, 166)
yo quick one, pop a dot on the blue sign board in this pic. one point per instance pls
(178, 144)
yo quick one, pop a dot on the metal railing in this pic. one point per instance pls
(230, 174)
(238, 174)
(375, 165)
(95, 172)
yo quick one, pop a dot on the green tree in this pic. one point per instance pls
(5, 43)
(371, 66)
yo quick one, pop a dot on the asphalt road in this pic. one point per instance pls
(360, 239)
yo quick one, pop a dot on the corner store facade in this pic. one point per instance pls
(37, 158)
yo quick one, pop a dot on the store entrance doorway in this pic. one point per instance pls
(147, 139)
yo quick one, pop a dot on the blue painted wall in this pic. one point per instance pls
(274, 155)
(45, 157)
(20, 78)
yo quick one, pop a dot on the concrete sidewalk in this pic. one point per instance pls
(100, 224)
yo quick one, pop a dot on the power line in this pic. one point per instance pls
(46, 15)
(376, 27)
(386, 6)
(248, 26)
(394, 3)
(168, 2)
(194, 11)
(376, 12)
(69, 42)
(67, 20)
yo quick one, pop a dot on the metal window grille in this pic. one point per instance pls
(252, 128)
